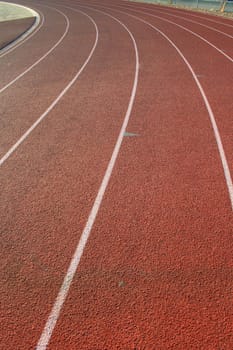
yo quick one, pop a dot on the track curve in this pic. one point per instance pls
(153, 224)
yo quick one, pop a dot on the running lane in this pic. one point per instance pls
(49, 183)
(156, 270)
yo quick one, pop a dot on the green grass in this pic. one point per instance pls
(11, 11)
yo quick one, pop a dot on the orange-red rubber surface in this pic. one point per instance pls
(156, 272)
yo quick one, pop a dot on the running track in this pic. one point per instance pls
(116, 191)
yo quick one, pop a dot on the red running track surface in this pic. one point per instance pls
(155, 268)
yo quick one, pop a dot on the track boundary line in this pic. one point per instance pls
(218, 140)
(63, 292)
(42, 57)
(11, 47)
(52, 105)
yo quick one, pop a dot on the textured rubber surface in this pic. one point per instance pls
(156, 272)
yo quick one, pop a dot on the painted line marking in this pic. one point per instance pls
(42, 57)
(54, 103)
(221, 151)
(61, 297)
(184, 28)
(186, 11)
(202, 17)
(186, 19)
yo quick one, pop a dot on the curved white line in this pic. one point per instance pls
(28, 35)
(186, 19)
(180, 26)
(53, 104)
(42, 57)
(221, 151)
(61, 297)
(201, 17)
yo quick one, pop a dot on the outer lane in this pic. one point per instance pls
(219, 38)
(226, 22)
(221, 23)
(211, 19)
(217, 27)
(215, 36)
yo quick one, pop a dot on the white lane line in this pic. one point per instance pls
(201, 24)
(42, 57)
(182, 11)
(185, 19)
(28, 35)
(54, 103)
(184, 28)
(204, 18)
(221, 151)
(61, 297)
